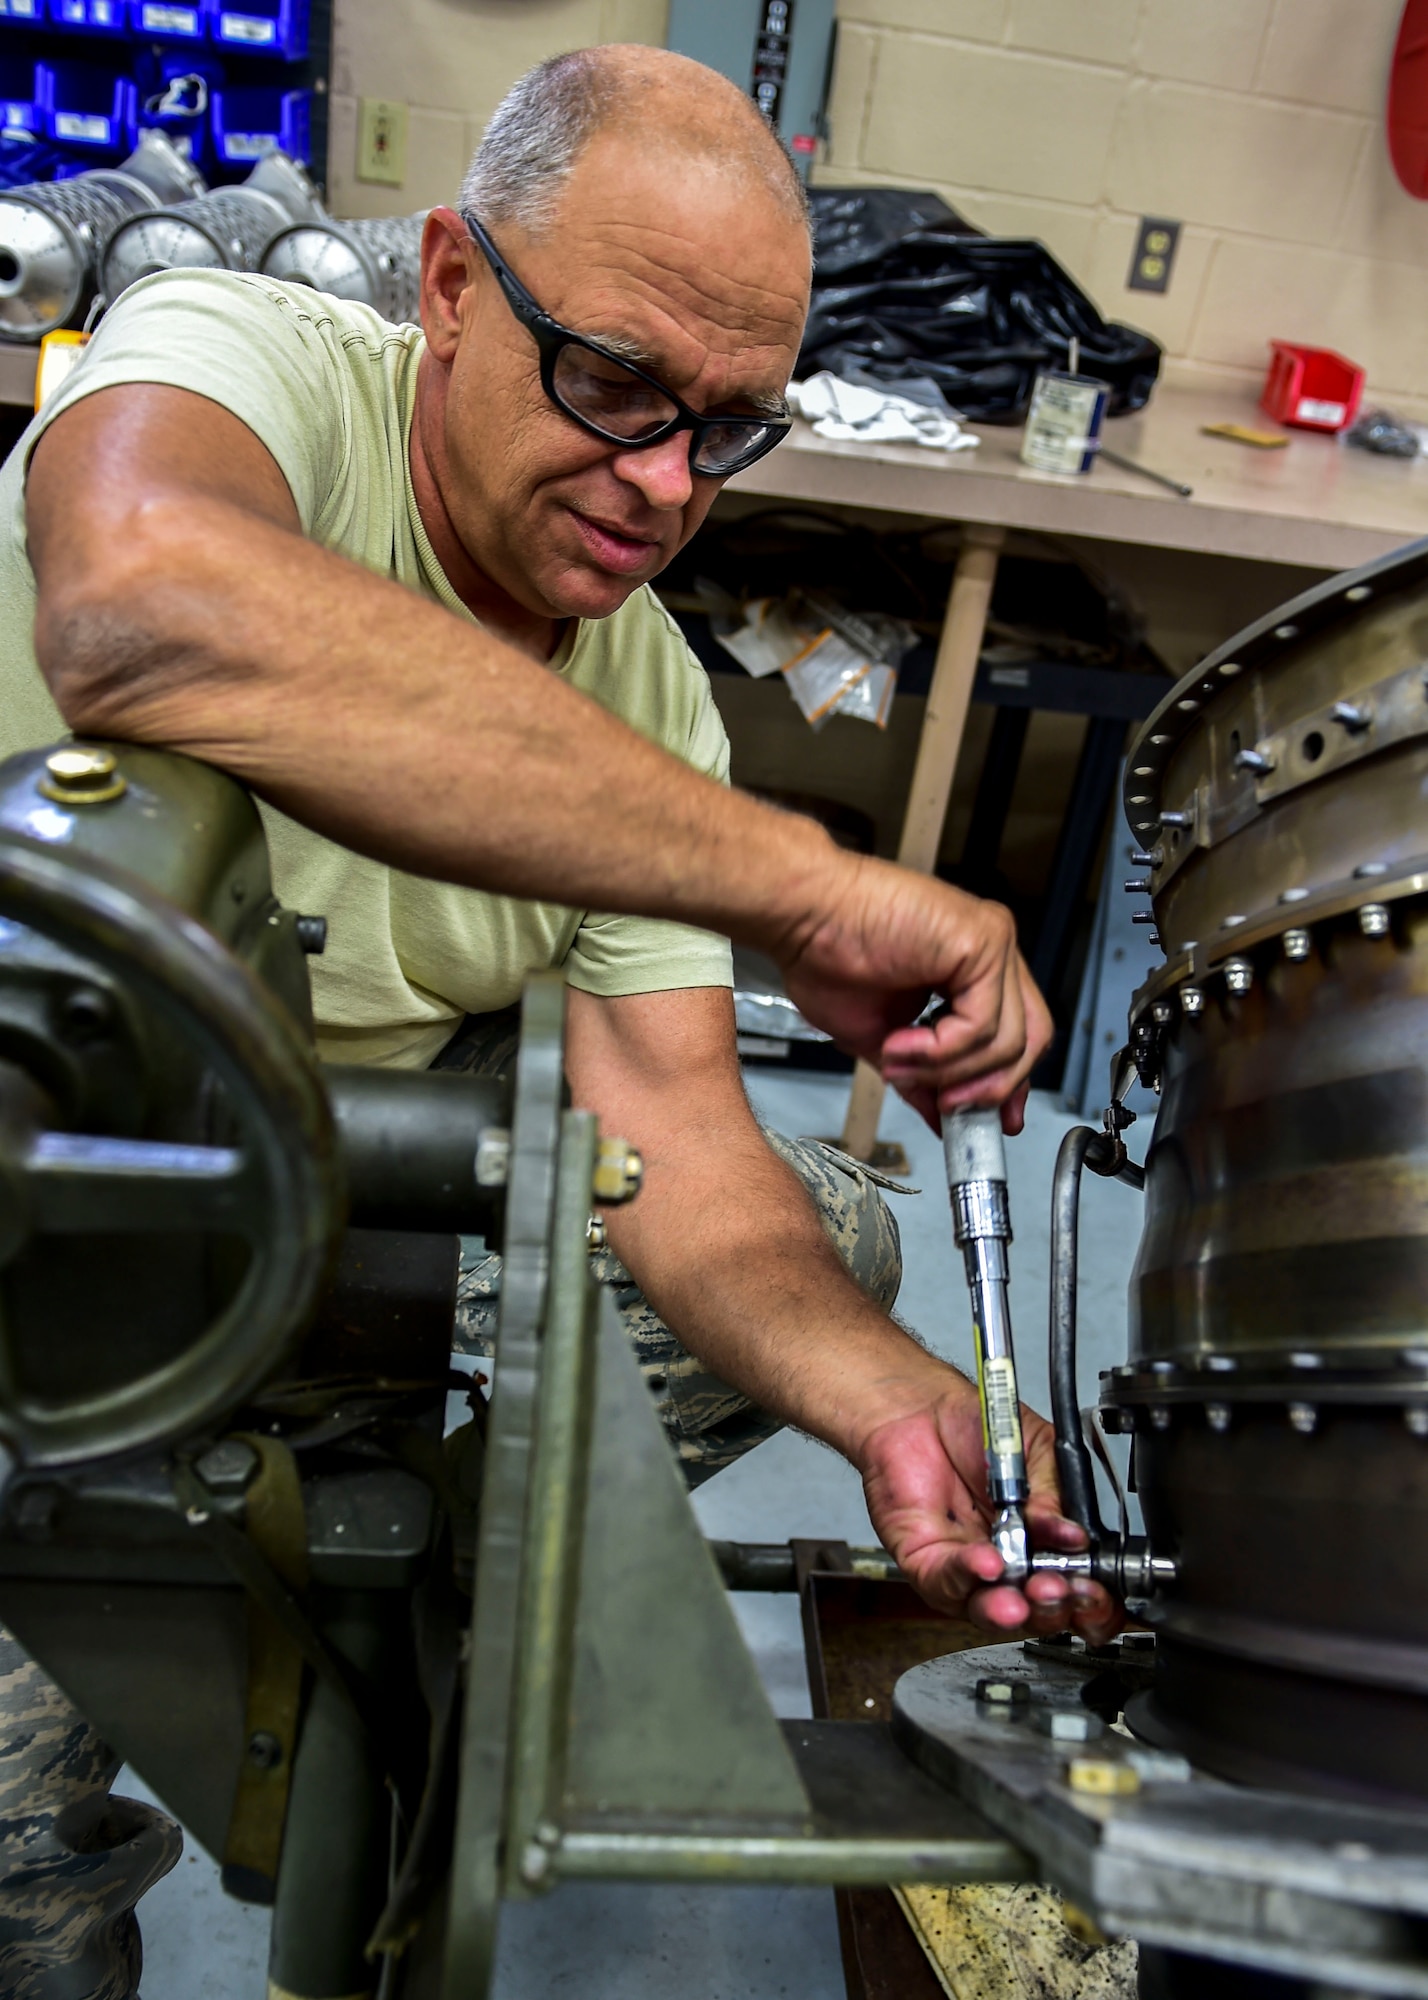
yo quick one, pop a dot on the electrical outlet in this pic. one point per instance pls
(1155, 246)
(381, 141)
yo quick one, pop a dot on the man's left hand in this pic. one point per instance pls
(924, 1478)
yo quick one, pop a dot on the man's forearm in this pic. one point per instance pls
(740, 1268)
(401, 731)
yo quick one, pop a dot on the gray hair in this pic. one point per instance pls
(543, 124)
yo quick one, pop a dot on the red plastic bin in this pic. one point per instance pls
(1311, 387)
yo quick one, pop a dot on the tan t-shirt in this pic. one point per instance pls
(328, 386)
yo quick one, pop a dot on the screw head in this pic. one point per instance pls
(1373, 920)
(1297, 944)
(1239, 975)
(82, 774)
(265, 1752)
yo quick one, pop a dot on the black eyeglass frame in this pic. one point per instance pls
(550, 337)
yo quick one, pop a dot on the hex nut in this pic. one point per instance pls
(227, 1467)
(1304, 1418)
(1373, 920)
(1192, 1000)
(1239, 975)
(619, 1170)
(1003, 1694)
(1068, 1725)
(1102, 1777)
(1297, 945)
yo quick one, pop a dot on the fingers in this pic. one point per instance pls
(982, 1050)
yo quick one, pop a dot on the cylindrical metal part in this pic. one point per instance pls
(332, 1879)
(409, 1143)
(375, 260)
(973, 1147)
(52, 233)
(224, 230)
(1278, 1373)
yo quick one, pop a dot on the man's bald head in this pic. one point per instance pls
(665, 103)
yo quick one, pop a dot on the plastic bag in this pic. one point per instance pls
(980, 316)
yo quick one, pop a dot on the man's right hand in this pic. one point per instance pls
(877, 944)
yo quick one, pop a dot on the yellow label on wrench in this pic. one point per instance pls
(1001, 1411)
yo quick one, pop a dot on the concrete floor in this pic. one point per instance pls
(655, 1942)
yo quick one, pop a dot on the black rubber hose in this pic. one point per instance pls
(1073, 1459)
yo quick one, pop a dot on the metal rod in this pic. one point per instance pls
(1132, 465)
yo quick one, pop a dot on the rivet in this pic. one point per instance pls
(1232, 923)
(1220, 1364)
(1357, 593)
(1162, 739)
(1416, 1419)
(1292, 895)
(1217, 1416)
(1229, 668)
(1189, 704)
(1136, 887)
(1302, 1358)
(1286, 631)
(1253, 760)
(1192, 1000)
(1304, 1418)
(1164, 1368)
(1373, 920)
(1139, 857)
(1239, 975)
(1144, 771)
(1371, 868)
(1142, 916)
(1160, 1011)
(1297, 944)
(1175, 819)
(1140, 799)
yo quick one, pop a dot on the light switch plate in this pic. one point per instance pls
(381, 141)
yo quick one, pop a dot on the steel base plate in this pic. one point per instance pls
(1321, 1889)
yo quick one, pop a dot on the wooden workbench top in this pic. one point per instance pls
(1316, 502)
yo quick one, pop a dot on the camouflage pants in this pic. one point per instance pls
(73, 1860)
(709, 1423)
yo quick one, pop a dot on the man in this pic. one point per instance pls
(396, 584)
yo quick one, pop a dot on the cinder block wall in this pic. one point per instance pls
(450, 62)
(1257, 123)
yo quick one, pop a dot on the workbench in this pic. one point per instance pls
(1314, 503)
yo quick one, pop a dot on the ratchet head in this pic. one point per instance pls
(1008, 1538)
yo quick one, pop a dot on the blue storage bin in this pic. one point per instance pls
(248, 123)
(269, 27)
(89, 17)
(89, 108)
(170, 20)
(23, 86)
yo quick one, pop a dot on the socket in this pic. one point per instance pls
(381, 141)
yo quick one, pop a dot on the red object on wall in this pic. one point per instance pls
(1312, 387)
(1408, 101)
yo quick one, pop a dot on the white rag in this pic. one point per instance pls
(839, 409)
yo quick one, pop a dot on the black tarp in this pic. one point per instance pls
(903, 287)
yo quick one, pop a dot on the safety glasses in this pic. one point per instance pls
(614, 400)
